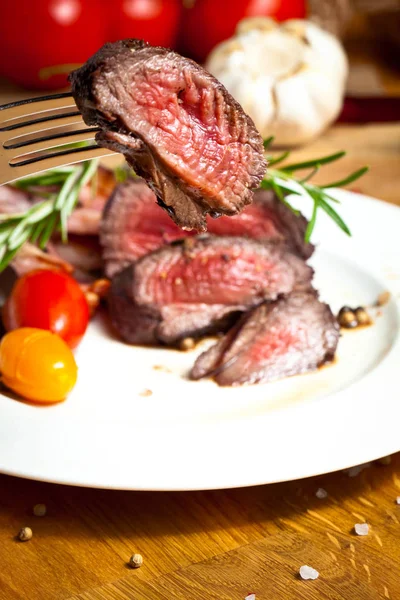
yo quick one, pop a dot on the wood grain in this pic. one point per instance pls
(205, 545)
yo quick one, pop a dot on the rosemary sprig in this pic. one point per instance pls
(283, 182)
(44, 218)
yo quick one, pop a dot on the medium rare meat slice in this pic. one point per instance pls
(293, 335)
(177, 126)
(197, 286)
(134, 225)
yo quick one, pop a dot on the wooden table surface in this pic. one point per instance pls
(219, 545)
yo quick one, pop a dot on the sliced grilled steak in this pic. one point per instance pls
(134, 225)
(293, 335)
(195, 287)
(177, 126)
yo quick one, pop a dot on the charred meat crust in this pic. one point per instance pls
(177, 126)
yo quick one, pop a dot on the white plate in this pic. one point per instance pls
(195, 435)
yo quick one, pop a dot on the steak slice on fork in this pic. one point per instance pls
(177, 126)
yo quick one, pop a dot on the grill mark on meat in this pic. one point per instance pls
(177, 126)
(177, 292)
(132, 225)
(293, 335)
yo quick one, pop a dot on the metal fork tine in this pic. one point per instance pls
(32, 157)
(47, 127)
(41, 143)
(37, 152)
(21, 124)
(44, 104)
(58, 159)
(36, 99)
(67, 122)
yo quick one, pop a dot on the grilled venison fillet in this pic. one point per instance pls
(177, 126)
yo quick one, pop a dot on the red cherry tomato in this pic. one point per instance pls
(48, 300)
(41, 41)
(204, 25)
(155, 21)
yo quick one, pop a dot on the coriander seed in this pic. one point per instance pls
(136, 561)
(362, 316)
(25, 534)
(187, 344)
(347, 318)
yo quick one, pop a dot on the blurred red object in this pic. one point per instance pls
(155, 21)
(41, 41)
(368, 110)
(205, 23)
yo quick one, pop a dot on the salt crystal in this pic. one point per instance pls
(361, 528)
(321, 493)
(307, 572)
(398, 500)
(250, 597)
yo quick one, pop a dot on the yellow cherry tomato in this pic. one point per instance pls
(37, 365)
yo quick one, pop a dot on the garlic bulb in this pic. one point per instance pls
(289, 77)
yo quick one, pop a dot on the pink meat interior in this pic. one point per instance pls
(230, 276)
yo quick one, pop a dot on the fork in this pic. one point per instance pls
(40, 134)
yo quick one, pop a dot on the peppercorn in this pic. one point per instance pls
(187, 344)
(362, 316)
(25, 534)
(136, 561)
(347, 318)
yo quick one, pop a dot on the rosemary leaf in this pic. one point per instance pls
(333, 215)
(310, 164)
(48, 230)
(37, 231)
(274, 161)
(66, 188)
(7, 257)
(18, 240)
(271, 185)
(310, 175)
(311, 223)
(268, 142)
(342, 182)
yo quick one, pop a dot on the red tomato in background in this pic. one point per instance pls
(155, 21)
(48, 300)
(209, 22)
(42, 40)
